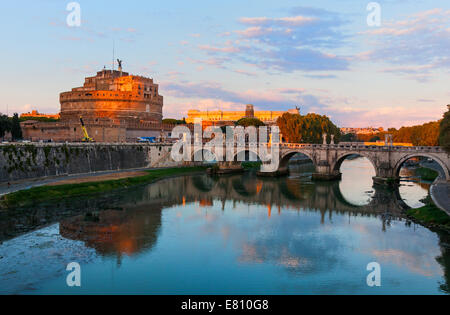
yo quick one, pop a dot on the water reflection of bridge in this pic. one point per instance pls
(274, 193)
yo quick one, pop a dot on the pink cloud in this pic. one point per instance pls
(287, 21)
(225, 49)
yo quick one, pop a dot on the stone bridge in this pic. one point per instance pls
(327, 159)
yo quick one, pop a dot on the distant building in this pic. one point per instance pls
(115, 106)
(36, 114)
(219, 117)
(362, 131)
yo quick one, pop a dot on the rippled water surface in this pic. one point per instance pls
(230, 235)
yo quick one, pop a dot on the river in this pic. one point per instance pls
(235, 234)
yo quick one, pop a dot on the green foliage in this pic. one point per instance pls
(430, 214)
(5, 125)
(444, 131)
(349, 137)
(426, 173)
(307, 129)
(8, 124)
(171, 121)
(251, 165)
(16, 131)
(246, 122)
(42, 119)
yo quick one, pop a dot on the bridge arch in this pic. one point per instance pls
(205, 154)
(246, 151)
(405, 158)
(284, 160)
(341, 158)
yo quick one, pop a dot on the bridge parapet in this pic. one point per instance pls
(362, 146)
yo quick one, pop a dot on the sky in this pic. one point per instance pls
(321, 55)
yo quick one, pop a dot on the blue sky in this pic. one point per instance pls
(319, 55)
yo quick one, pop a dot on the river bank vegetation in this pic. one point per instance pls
(53, 193)
(426, 173)
(430, 215)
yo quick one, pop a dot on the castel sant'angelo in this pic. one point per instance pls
(115, 106)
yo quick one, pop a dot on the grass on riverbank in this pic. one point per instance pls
(251, 165)
(430, 215)
(51, 193)
(426, 173)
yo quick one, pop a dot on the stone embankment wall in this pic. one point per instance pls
(28, 161)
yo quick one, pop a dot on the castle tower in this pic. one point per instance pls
(115, 96)
(249, 111)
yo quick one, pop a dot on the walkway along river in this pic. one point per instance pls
(236, 234)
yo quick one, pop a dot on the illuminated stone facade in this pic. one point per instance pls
(115, 106)
(113, 95)
(217, 117)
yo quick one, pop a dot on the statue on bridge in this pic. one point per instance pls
(324, 136)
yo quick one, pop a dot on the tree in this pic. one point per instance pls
(420, 135)
(444, 131)
(349, 137)
(16, 131)
(5, 125)
(296, 128)
(246, 122)
(171, 121)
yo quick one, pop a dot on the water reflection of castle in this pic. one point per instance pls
(115, 232)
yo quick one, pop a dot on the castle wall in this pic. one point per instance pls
(100, 131)
(71, 132)
(110, 104)
(28, 161)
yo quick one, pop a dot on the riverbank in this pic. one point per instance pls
(436, 212)
(430, 215)
(426, 173)
(440, 193)
(40, 194)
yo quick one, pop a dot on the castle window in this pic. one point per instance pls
(147, 108)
